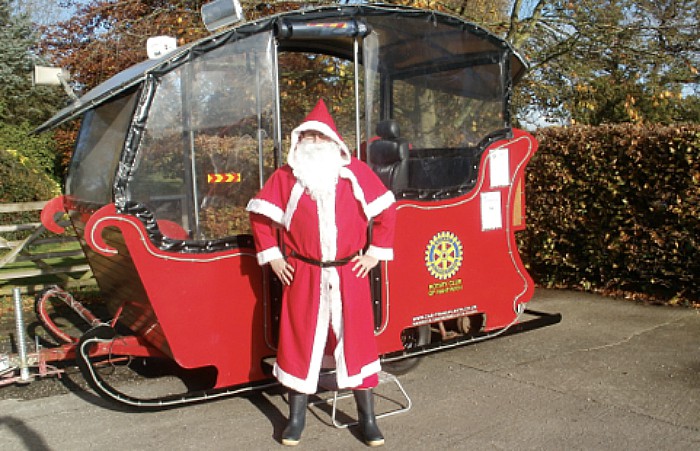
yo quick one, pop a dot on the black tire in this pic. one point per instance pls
(412, 338)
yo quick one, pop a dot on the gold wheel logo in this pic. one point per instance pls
(444, 255)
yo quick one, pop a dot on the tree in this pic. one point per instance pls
(107, 36)
(44, 12)
(592, 61)
(20, 102)
(597, 61)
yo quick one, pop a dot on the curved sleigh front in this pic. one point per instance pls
(202, 309)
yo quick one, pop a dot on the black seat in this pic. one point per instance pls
(388, 156)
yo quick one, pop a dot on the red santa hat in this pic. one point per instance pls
(320, 120)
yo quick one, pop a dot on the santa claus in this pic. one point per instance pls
(323, 201)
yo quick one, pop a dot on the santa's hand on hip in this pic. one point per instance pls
(363, 264)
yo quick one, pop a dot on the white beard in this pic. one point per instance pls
(317, 167)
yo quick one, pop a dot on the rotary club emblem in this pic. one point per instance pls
(444, 255)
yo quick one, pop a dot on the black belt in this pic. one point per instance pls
(323, 264)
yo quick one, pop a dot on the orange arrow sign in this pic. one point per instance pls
(229, 177)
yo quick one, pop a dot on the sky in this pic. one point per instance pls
(45, 12)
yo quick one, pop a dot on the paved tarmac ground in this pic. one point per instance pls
(611, 375)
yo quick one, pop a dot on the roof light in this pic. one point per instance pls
(220, 13)
(158, 46)
(53, 76)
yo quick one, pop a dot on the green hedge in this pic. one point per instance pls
(22, 181)
(616, 209)
(39, 150)
(29, 166)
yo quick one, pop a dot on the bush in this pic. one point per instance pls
(22, 181)
(616, 209)
(39, 150)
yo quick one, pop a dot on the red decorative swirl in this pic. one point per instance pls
(49, 214)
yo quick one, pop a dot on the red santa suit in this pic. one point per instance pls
(332, 298)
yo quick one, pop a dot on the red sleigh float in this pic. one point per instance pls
(168, 240)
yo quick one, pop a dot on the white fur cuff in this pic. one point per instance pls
(380, 204)
(380, 253)
(268, 255)
(265, 208)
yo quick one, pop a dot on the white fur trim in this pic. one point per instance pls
(297, 191)
(301, 385)
(354, 381)
(342, 378)
(330, 313)
(380, 253)
(380, 204)
(330, 284)
(338, 326)
(327, 228)
(268, 255)
(319, 127)
(357, 191)
(375, 207)
(265, 208)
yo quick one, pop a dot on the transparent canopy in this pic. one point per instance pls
(192, 137)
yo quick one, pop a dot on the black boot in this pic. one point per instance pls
(297, 418)
(368, 423)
